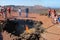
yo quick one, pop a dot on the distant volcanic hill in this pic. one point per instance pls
(39, 7)
(34, 9)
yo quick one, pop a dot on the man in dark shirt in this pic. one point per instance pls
(27, 11)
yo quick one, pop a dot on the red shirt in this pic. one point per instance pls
(9, 9)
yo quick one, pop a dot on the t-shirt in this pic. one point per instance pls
(19, 10)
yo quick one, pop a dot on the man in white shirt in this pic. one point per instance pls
(19, 11)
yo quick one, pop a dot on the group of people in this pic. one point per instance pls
(4, 11)
(52, 13)
(26, 11)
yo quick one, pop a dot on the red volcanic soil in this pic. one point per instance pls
(52, 30)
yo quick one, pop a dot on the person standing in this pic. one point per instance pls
(5, 12)
(2, 9)
(55, 19)
(59, 19)
(27, 11)
(1, 30)
(19, 11)
(52, 13)
(55, 12)
(9, 10)
(49, 12)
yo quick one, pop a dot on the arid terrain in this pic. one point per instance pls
(52, 31)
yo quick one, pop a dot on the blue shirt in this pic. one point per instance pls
(59, 19)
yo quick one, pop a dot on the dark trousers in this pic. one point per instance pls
(19, 13)
(26, 14)
(49, 15)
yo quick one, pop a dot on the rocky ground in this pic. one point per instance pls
(52, 31)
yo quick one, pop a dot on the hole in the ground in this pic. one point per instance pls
(17, 27)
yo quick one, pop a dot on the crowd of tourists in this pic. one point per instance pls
(5, 10)
(26, 11)
(53, 14)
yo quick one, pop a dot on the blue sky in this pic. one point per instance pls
(46, 3)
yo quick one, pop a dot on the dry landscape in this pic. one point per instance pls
(52, 31)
